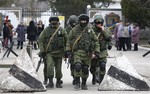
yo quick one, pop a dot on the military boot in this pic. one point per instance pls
(94, 79)
(77, 84)
(59, 83)
(101, 78)
(45, 80)
(74, 81)
(83, 85)
(50, 84)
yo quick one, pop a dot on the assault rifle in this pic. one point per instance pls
(148, 51)
(39, 63)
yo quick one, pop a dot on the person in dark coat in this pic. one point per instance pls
(32, 34)
(21, 31)
(5, 34)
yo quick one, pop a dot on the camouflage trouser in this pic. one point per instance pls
(95, 63)
(84, 59)
(71, 61)
(54, 63)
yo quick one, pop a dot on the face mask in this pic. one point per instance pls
(83, 23)
(54, 23)
(73, 24)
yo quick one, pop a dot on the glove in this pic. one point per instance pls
(97, 55)
(109, 47)
(67, 54)
(42, 54)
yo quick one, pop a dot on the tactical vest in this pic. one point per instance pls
(57, 42)
(101, 39)
(85, 42)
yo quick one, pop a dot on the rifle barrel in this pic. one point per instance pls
(39, 63)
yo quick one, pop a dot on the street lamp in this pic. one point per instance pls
(13, 5)
(87, 11)
(88, 6)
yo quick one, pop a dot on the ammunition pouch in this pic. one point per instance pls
(57, 44)
(103, 45)
(86, 45)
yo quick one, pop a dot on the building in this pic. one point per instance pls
(110, 12)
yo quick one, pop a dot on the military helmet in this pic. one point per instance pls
(98, 19)
(73, 19)
(53, 19)
(83, 17)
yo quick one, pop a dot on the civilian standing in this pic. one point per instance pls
(32, 34)
(135, 37)
(40, 27)
(121, 36)
(21, 31)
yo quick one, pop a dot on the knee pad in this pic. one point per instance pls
(78, 67)
(92, 69)
(103, 66)
(85, 69)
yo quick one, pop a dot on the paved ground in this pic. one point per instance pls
(141, 64)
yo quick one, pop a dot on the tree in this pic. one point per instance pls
(137, 11)
(4, 3)
(72, 7)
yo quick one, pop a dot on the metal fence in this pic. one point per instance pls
(35, 14)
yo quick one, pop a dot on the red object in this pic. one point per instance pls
(6, 19)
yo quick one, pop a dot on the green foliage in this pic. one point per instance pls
(136, 11)
(4, 3)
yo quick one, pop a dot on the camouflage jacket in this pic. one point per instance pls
(88, 41)
(58, 42)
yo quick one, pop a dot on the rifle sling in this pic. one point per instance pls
(78, 39)
(51, 39)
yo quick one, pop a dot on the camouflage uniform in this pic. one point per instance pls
(53, 51)
(82, 50)
(98, 65)
(72, 22)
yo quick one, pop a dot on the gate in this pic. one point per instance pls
(35, 14)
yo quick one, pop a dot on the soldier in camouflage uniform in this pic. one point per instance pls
(72, 22)
(98, 65)
(82, 43)
(52, 42)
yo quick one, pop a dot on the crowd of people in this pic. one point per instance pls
(85, 45)
(33, 30)
(125, 35)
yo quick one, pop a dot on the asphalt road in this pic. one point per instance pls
(141, 65)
